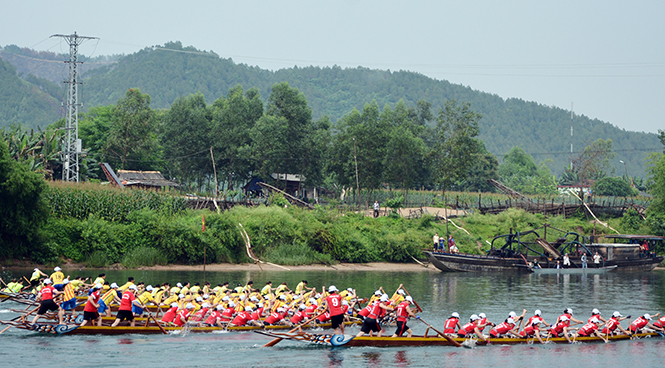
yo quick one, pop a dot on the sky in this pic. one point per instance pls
(606, 59)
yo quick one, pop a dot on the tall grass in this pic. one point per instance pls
(144, 256)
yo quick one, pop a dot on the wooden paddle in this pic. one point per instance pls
(157, 323)
(450, 339)
(414, 301)
(278, 339)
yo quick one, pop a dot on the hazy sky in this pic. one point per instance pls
(606, 57)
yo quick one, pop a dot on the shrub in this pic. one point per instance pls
(143, 256)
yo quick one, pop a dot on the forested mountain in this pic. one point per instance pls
(169, 72)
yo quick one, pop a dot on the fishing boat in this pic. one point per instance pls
(69, 328)
(425, 340)
(525, 252)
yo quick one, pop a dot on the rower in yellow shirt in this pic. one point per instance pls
(302, 287)
(196, 289)
(36, 275)
(130, 282)
(282, 288)
(100, 279)
(398, 297)
(57, 277)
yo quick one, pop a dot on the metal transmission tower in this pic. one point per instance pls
(72, 145)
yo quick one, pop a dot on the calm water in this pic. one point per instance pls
(438, 294)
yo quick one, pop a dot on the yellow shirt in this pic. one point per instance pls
(300, 287)
(146, 297)
(184, 290)
(76, 284)
(126, 286)
(265, 290)
(172, 299)
(108, 296)
(280, 289)
(175, 290)
(69, 292)
(35, 276)
(195, 289)
(57, 277)
(99, 280)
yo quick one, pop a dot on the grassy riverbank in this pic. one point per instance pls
(99, 226)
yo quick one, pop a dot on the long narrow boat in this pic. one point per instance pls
(387, 341)
(573, 271)
(74, 329)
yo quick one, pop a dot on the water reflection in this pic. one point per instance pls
(401, 359)
(335, 358)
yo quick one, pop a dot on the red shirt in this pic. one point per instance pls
(274, 318)
(169, 316)
(213, 318)
(401, 311)
(587, 329)
(311, 309)
(467, 328)
(241, 318)
(335, 304)
(198, 316)
(611, 325)
(502, 328)
(324, 317)
(298, 317)
(227, 314)
(638, 323)
(376, 310)
(126, 302)
(47, 292)
(182, 315)
(558, 328)
(660, 322)
(89, 307)
(449, 326)
(366, 311)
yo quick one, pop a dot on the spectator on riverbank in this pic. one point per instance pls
(596, 260)
(435, 240)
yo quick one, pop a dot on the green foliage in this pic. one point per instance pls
(24, 210)
(631, 221)
(520, 172)
(614, 187)
(144, 256)
(594, 162)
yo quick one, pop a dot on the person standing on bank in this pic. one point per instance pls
(566, 261)
(584, 260)
(435, 240)
(596, 260)
(376, 209)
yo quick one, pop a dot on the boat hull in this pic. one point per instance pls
(573, 271)
(447, 262)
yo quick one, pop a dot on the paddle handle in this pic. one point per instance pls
(450, 340)
(275, 341)
(414, 301)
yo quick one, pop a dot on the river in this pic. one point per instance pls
(437, 293)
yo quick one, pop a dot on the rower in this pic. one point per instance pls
(590, 329)
(276, 318)
(641, 322)
(57, 277)
(299, 316)
(568, 313)
(302, 287)
(90, 312)
(561, 328)
(267, 289)
(613, 323)
(228, 313)
(470, 328)
(403, 314)
(34, 279)
(46, 295)
(335, 309)
(531, 327)
(201, 314)
(170, 314)
(368, 309)
(483, 322)
(504, 328)
(596, 313)
(126, 304)
(183, 316)
(370, 324)
(145, 298)
(660, 323)
(451, 323)
(69, 297)
(215, 318)
(108, 298)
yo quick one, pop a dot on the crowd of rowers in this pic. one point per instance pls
(220, 306)
(536, 327)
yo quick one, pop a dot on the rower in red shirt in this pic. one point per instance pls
(568, 313)
(643, 321)
(483, 322)
(531, 327)
(201, 313)
(90, 310)
(470, 328)
(590, 329)
(561, 328)
(125, 310)
(299, 316)
(215, 318)
(660, 323)
(227, 314)
(614, 323)
(276, 317)
(370, 324)
(596, 313)
(504, 328)
(403, 313)
(45, 296)
(451, 323)
(243, 318)
(335, 309)
(183, 316)
(170, 314)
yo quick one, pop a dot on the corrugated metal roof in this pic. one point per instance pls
(150, 178)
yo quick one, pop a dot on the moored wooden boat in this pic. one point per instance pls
(432, 340)
(573, 271)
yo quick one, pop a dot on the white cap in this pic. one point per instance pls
(317, 296)
(312, 301)
(189, 306)
(332, 288)
(345, 302)
(181, 296)
(226, 298)
(384, 298)
(174, 304)
(199, 299)
(232, 304)
(455, 314)
(243, 296)
(149, 288)
(350, 290)
(282, 297)
(253, 298)
(378, 292)
(595, 311)
(260, 304)
(564, 318)
(474, 317)
(113, 285)
(510, 320)
(248, 309)
(400, 292)
(409, 299)
(537, 312)
(512, 314)
(205, 305)
(220, 307)
(594, 320)
(280, 309)
(647, 316)
(56, 269)
(36, 269)
(616, 314)
(482, 315)
(178, 285)
(98, 286)
(132, 287)
(65, 281)
(47, 281)
(569, 311)
(302, 306)
(206, 296)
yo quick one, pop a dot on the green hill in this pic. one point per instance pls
(172, 71)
